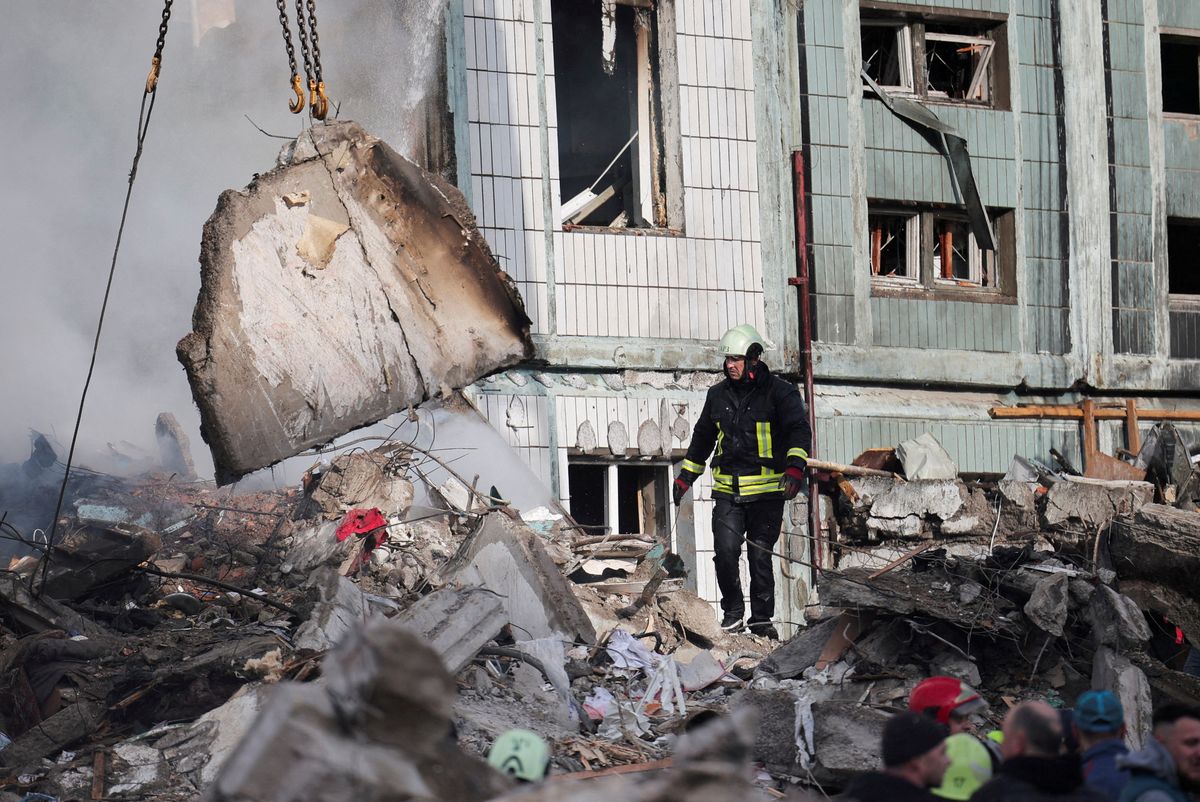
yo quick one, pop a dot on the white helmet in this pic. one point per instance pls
(741, 341)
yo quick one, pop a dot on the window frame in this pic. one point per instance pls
(915, 19)
(1179, 36)
(656, 183)
(1000, 266)
(904, 53)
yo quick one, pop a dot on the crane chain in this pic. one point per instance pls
(320, 102)
(296, 104)
(156, 62)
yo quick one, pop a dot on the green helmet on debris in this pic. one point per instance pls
(522, 754)
(741, 341)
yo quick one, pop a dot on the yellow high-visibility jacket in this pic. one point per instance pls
(754, 430)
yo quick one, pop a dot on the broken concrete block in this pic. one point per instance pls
(903, 592)
(508, 558)
(1079, 502)
(319, 315)
(53, 734)
(456, 623)
(1114, 672)
(174, 447)
(317, 546)
(89, 556)
(1117, 620)
(377, 728)
(1048, 604)
(801, 652)
(924, 457)
(1160, 544)
(361, 480)
(339, 608)
(887, 509)
(847, 741)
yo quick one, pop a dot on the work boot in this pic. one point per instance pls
(764, 629)
(732, 623)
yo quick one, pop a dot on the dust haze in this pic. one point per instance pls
(74, 76)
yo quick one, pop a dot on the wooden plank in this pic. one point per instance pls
(848, 470)
(903, 558)
(1133, 438)
(1052, 412)
(629, 768)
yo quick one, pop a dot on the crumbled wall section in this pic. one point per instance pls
(336, 289)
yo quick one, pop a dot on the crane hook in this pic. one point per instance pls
(297, 105)
(320, 103)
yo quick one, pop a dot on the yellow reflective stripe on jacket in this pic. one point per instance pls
(763, 430)
(694, 467)
(798, 452)
(752, 484)
(720, 440)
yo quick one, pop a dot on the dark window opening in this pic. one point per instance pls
(1183, 257)
(625, 498)
(887, 54)
(1181, 76)
(890, 246)
(609, 114)
(589, 501)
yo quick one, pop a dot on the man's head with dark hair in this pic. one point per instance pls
(1177, 727)
(1032, 729)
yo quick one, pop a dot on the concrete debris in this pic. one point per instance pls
(1048, 604)
(412, 301)
(924, 458)
(506, 557)
(174, 447)
(236, 649)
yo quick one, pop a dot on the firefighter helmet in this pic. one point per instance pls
(941, 697)
(743, 340)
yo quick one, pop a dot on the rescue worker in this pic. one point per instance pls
(948, 700)
(973, 761)
(758, 425)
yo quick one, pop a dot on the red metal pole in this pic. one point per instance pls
(803, 282)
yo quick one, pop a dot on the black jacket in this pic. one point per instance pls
(758, 427)
(1034, 779)
(876, 786)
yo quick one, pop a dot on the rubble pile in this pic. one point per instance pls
(370, 634)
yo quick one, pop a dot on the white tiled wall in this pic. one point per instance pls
(620, 284)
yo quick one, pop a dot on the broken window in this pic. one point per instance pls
(936, 60)
(894, 245)
(1183, 257)
(1181, 75)
(608, 80)
(620, 497)
(934, 247)
(957, 65)
(887, 54)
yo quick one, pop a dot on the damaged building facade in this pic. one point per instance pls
(633, 165)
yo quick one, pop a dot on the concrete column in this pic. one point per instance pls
(1082, 48)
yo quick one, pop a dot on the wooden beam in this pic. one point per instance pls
(848, 470)
(903, 558)
(1051, 412)
(631, 768)
(1133, 438)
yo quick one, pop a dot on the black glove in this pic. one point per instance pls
(792, 482)
(680, 489)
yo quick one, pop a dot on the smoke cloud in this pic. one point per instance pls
(74, 75)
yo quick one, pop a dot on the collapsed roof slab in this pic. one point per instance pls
(340, 287)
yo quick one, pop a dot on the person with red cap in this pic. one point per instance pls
(948, 701)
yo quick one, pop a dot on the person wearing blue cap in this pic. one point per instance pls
(1100, 728)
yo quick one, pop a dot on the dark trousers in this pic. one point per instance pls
(759, 522)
